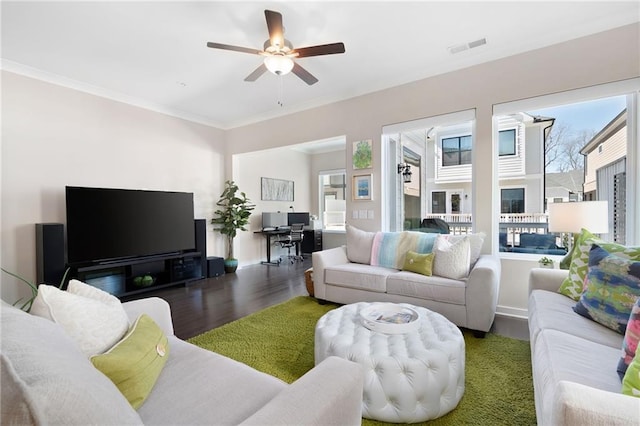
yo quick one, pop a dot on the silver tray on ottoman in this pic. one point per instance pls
(390, 318)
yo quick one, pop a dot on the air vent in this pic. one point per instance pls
(466, 46)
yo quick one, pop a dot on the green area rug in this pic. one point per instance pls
(279, 341)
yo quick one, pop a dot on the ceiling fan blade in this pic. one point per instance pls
(304, 74)
(324, 49)
(256, 73)
(234, 48)
(274, 24)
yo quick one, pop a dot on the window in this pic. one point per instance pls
(438, 202)
(456, 150)
(512, 200)
(507, 142)
(333, 199)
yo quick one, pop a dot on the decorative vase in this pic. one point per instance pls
(230, 265)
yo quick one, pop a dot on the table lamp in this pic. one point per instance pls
(573, 217)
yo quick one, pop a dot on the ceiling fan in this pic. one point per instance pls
(279, 52)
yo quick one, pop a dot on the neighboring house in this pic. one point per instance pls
(605, 172)
(520, 166)
(564, 186)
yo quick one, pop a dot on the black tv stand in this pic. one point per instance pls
(132, 276)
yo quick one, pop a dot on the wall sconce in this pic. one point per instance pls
(405, 170)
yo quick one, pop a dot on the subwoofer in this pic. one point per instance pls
(50, 264)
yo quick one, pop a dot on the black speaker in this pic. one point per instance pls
(201, 243)
(50, 263)
(215, 266)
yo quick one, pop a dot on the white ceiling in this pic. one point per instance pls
(154, 54)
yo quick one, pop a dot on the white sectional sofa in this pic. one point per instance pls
(574, 361)
(345, 275)
(46, 379)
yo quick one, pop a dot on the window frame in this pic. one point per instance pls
(515, 142)
(459, 152)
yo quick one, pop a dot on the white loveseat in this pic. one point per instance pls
(345, 275)
(46, 379)
(573, 360)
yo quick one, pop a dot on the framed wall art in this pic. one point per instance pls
(362, 154)
(362, 187)
(276, 189)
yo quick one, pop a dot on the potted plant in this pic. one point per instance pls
(545, 262)
(232, 216)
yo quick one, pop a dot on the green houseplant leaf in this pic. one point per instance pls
(26, 304)
(233, 213)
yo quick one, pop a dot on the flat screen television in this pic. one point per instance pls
(105, 224)
(298, 217)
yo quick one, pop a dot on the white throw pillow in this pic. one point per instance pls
(451, 259)
(475, 243)
(93, 318)
(359, 244)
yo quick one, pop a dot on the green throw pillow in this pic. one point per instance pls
(572, 286)
(420, 263)
(631, 380)
(135, 362)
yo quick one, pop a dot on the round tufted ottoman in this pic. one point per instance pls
(409, 377)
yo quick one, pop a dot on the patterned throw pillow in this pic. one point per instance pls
(631, 337)
(573, 285)
(420, 263)
(631, 380)
(612, 287)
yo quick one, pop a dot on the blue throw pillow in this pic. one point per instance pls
(611, 288)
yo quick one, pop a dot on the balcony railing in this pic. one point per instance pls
(512, 225)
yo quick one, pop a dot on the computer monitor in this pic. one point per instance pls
(273, 220)
(298, 217)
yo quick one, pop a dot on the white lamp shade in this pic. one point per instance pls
(572, 217)
(278, 64)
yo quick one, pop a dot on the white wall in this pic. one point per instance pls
(53, 136)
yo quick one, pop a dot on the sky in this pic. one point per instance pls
(591, 115)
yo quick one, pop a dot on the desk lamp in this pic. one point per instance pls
(573, 217)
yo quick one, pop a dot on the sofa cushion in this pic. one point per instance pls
(93, 318)
(420, 263)
(558, 356)
(135, 362)
(631, 338)
(355, 275)
(451, 259)
(551, 310)
(359, 245)
(216, 389)
(434, 288)
(50, 380)
(573, 285)
(612, 286)
(389, 248)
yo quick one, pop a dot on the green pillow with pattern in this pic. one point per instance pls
(572, 286)
(631, 380)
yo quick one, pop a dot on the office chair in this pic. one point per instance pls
(293, 239)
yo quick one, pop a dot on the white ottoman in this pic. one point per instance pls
(409, 377)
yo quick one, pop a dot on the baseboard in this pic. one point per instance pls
(508, 311)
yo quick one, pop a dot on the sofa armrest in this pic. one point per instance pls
(323, 259)
(578, 404)
(546, 279)
(158, 309)
(483, 286)
(329, 394)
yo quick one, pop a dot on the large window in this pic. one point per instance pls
(456, 150)
(333, 200)
(512, 200)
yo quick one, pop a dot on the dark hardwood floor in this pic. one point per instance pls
(212, 302)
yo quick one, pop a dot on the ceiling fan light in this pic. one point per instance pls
(278, 64)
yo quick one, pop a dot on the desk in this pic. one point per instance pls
(267, 235)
